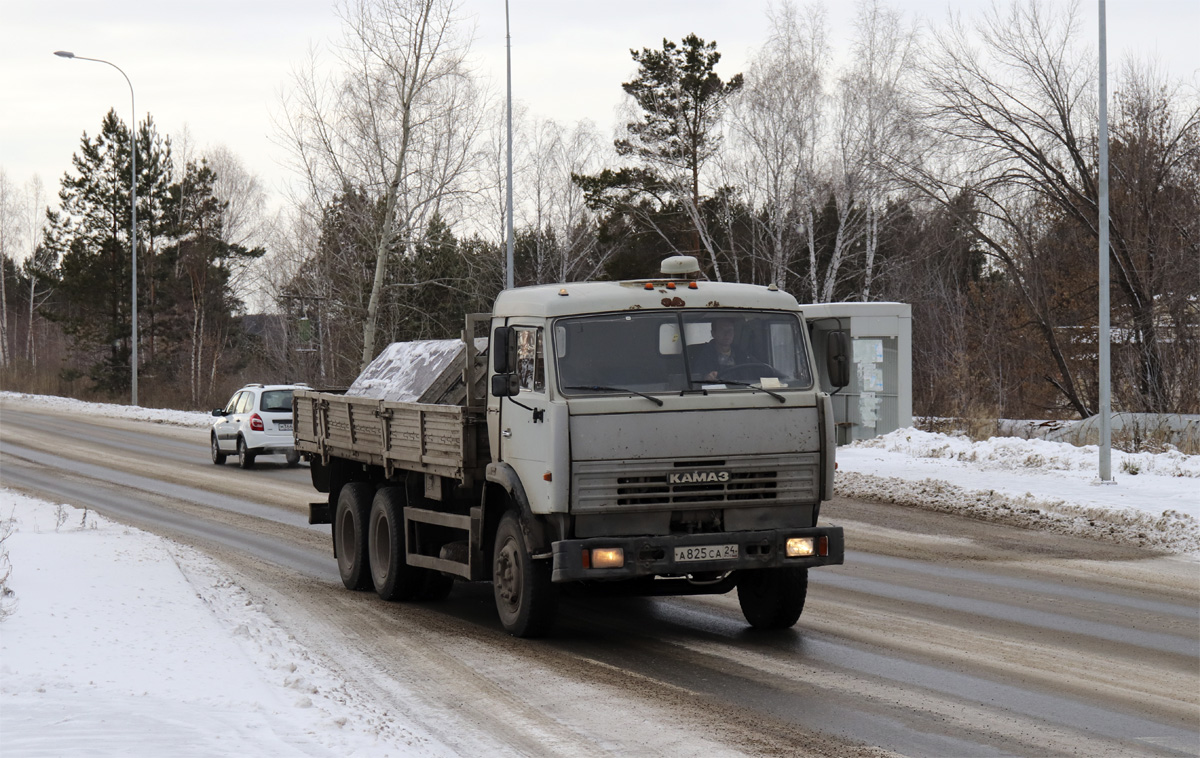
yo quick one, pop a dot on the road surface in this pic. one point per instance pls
(941, 636)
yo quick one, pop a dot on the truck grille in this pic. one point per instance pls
(659, 485)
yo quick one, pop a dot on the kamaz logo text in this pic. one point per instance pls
(698, 477)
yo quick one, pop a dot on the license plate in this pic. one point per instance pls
(705, 552)
(283, 426)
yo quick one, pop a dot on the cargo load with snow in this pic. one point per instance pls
(661, 437)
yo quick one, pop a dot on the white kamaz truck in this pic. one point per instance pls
(661, 437)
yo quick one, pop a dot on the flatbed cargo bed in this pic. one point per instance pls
(446, 440)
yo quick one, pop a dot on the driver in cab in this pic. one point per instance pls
(709, 359)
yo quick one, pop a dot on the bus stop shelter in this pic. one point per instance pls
(878, 399)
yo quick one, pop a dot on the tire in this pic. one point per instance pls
(293, 458)
(772, 598)
(391, 575)
(526, 599)
(350, 534)
(218, 458)
(245, 456)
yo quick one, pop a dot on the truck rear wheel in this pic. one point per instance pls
(393, 578)
(526, 599)
(772, 598)
(350, 534)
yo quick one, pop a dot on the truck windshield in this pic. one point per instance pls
(739, 351)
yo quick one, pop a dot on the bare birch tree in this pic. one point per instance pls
(775, 126)
(879, 118)
(9, 228)
(564, 236)
(40, 262)
(244, 221)
(397, 119)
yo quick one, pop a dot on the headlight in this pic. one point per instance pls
(800, 546)
(608, 557)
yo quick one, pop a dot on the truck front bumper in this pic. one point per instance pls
(658, 555)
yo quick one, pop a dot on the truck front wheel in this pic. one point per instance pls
(393, 578)
(350, 534)
(772, 598)
(526, 599)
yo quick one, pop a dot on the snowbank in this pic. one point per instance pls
(153, 415)
(1152, 501)
(122, 643)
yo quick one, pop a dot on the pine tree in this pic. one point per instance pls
(197, 289)
(681, 100)
(91, 238)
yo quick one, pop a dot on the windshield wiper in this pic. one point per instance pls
(751, 385)
(598, 388)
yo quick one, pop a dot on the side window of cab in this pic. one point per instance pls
(531, 361)
(231, 406)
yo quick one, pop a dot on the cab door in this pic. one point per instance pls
(530, 434)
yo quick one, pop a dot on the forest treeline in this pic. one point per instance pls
(954, 168)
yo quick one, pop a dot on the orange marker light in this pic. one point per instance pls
(649, 286)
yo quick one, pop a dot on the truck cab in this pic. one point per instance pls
(672, 427)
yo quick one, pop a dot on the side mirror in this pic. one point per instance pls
(505, 385)
(218, 412)
(504, 350)
(837, 349)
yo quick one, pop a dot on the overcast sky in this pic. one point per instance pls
(217, 67)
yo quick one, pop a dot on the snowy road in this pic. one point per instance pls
(941, 635)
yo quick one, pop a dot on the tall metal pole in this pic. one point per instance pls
(508, 260)
(133, 337)
(1105, 377)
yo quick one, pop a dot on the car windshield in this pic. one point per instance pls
(680, 351)
(276, 401)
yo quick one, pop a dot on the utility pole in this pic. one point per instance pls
(1105, 379)
(508, 260)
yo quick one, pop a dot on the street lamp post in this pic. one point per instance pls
(1104, 337)
(133, 358)
(508, 259)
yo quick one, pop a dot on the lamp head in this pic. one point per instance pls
(64, 54)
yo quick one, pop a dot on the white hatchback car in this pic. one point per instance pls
(256, 421)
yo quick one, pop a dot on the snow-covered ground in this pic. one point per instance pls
(153, 415)
(118, 642)
(1152, 500)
